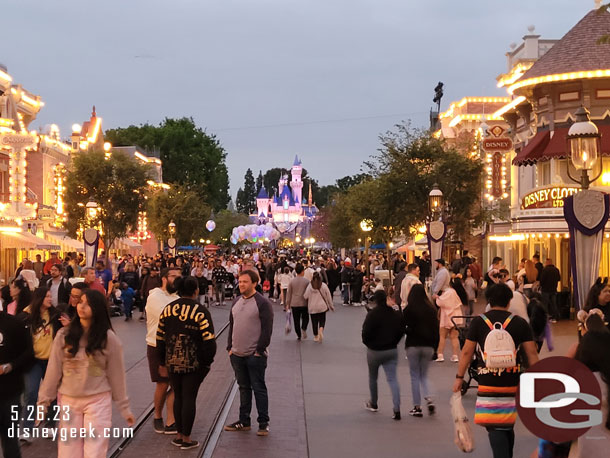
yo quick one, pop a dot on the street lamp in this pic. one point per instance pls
(171, 242)
(367, 226)
(435, 200)
(172, 228)
(436, 228)
(91, 235)
(92, 208)
(583, 143)
(297, 239)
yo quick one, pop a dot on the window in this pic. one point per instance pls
(4, 182)
(569, 96)
(285, 204)
(603, 94)
(544, 173)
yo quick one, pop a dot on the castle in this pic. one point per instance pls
(287, 206)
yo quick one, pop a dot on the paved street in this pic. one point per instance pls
(317, 394)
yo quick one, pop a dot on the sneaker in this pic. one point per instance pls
(431, 406)
(345, 304)
(316, 339)
(416, 412)
(177, 442)
(552, 320)
(237, 426)
(440, 359)
(171, 429)
(303, 334)
(372, 407)
(396, 416)
(455, 359)
(141, 318)
(263, 429)
(189, 445)
(158, 425)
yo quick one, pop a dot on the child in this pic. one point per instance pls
(127, 296)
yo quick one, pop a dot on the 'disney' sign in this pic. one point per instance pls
(547, 197)
(17, 141)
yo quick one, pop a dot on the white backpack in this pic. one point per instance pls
(499, 351)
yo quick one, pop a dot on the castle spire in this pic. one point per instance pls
(309, 198)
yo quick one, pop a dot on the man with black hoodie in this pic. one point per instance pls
(16, 355)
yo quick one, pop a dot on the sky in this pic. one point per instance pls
(270, 78)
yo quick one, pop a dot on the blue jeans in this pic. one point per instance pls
(32, 383)
(250, 376)
(347, 297)
(389, 360)
(419, 360)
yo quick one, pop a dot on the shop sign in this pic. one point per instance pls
(496, 145)
(547, 197)
(18, 141)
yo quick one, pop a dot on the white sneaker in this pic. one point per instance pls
(440, 359)
(455, 359)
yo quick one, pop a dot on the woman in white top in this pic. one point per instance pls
(283, 280)
(450, 306)
(319, 301)
(470, 287)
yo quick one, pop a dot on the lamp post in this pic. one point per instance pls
(171, 242)
(366, 225)
(91, 235)
(586, 212)
(436, 228)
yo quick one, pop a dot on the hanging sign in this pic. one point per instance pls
(547, 197)
(496, 145)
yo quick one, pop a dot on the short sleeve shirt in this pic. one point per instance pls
(519, 330)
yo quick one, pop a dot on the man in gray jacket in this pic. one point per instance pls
(441, 279)
(295, 300)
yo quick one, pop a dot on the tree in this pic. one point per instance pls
(225, 222)
(271, 179)
(182, 205)
(259, 182)
(191, 157)
(246, 200)
(117, 184)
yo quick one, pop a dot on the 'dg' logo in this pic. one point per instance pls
(559, 399)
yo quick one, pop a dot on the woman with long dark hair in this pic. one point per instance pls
(599, 298)
(319, 301)
(21, 295)
(186, 345)
(422, 339)
(86, 372)
(334, 277)
(42, 320)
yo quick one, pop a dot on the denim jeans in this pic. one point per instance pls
(502, 441)
(419, 360)
(32, 383)
(250, 376)
(389, 360)
(10, 445)
(347, 297)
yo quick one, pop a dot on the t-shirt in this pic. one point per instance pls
(246, 326)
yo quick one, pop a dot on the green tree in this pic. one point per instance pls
(182, 205)
(225, 222)
(117, 184)
(246, 200)
(191, 157)
(271, 179)
(259, 182)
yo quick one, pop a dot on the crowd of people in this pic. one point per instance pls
(59, 347)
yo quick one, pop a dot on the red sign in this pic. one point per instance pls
(497, 144)
(496, 175)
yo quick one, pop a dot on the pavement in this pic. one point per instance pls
(317, 393)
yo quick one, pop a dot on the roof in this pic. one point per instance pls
(286, 194)
(262, 194)
(577, 50)
(297, 161)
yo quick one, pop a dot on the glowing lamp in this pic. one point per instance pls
(366, 225)
(583, 143)
(76, 128)
(107, 146)
(171, 227)
(92, 208)
(435, 199)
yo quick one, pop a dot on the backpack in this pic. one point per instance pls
(499, 351)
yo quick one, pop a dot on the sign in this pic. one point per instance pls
(559, 399)
(547, 197)
(18, 141)
(496, 145)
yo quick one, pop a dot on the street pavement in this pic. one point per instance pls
(317, 393)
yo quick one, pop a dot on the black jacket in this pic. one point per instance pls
(549, 278)
(422, 326)
(16, 350)
(382, 328)
(63, 292)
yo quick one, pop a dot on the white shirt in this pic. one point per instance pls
(156, 302)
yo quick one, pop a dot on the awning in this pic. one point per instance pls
(26, 241)
(211, 248)
(66, 243)
(534, 150)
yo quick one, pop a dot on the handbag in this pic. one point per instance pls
(266, 285)
(288, 326)
(463, 436)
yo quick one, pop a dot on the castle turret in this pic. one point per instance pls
(296, 184)
(262, 202)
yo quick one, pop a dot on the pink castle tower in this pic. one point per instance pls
(296, 184)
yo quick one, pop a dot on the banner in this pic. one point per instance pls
(586, 214)
(91, 237)
(436, 232)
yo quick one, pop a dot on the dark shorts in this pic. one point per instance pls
(153, 365)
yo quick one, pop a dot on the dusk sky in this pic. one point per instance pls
(271, 78)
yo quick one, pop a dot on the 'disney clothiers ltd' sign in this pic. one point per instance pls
(547, 197)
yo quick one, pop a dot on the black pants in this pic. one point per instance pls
(185, 388)
(10, 445)
(502, 442)
(300, 315)
(271, 287)
(317, 319)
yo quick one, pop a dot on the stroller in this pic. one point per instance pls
(230, 286)
(115, 306)
(462, 323)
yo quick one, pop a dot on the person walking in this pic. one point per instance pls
(381, 331)
(42, 320)
(59, 286)
(410, 280)
(283, 281)
(334, 277)
(219, 280)
(398, 278)
(347, 273)
(549, 279)
(85, 373)
(16, 356)
(319, 301)
(250, 329)
(422, 329)
(441, 278)
(186, 347)
(495, 406)
(158, 298)
(297, 303)
(450, 306)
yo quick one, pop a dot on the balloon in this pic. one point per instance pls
(210, 225)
